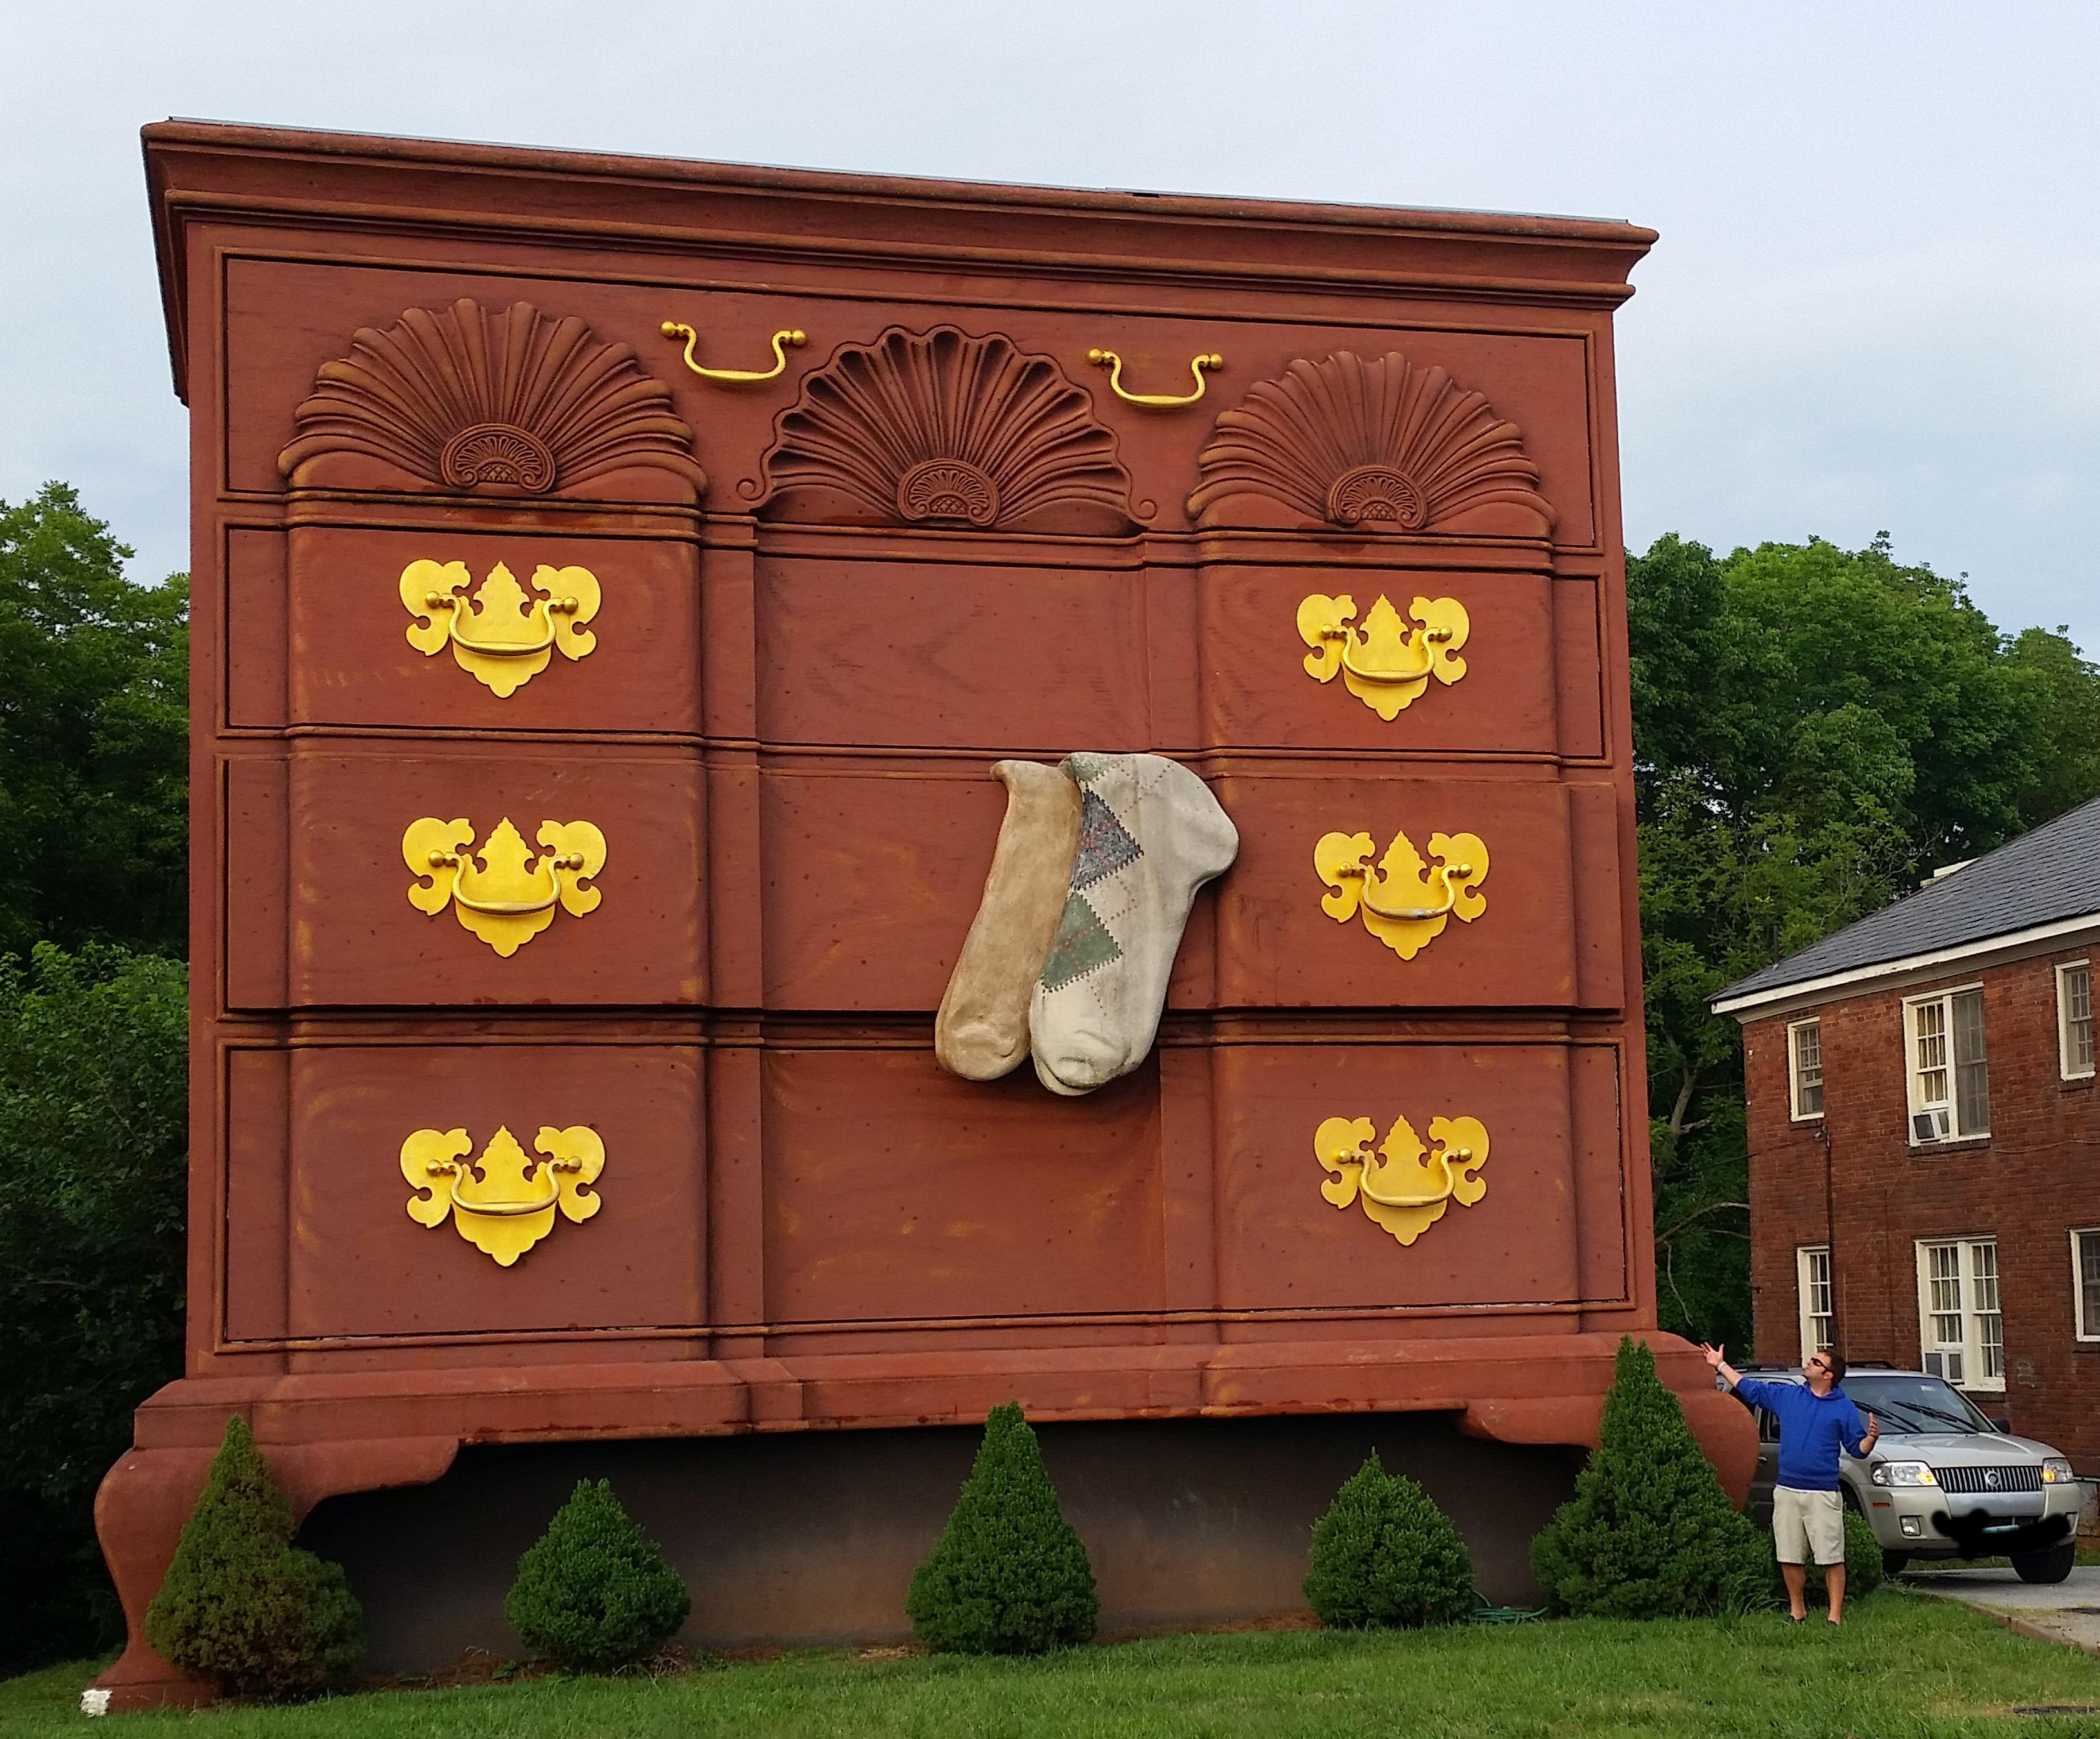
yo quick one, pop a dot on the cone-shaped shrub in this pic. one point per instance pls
(1384, 1554)
(1649, 1532)
(241, 1605)
(1009, 1575)
(595, 1592)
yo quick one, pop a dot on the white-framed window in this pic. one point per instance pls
(1811, 1282)
(1962, 1330)
(2074, 1020)
(1950, 1087)
(1804, 1069)
(2085, 1282)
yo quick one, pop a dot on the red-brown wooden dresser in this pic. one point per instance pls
(825, 601)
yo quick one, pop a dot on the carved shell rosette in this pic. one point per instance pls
(944, 430)
(488, 402)
(1376, 446)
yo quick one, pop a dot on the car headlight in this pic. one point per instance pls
(1903, 1473)
(2056, 1471)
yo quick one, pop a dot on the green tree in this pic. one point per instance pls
(1008, 1576)
(1385, 1556)
(241, 1605)
(1649, 1534)
(1815, 730)
(94, 736)
(93, 1142)
(595, 1593)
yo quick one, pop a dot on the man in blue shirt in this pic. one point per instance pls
(1815, 1419)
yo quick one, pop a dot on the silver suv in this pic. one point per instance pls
(1944, 1481)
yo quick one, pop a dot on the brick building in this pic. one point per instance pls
(1925, 1136)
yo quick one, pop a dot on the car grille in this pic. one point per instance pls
(2016, 1478)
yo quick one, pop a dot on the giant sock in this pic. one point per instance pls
(1151, 835)
(982, 1032)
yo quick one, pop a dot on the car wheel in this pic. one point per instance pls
(1893, 1563)
(2052, 1565)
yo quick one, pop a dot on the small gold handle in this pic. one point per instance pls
(1410, 914)
(1426, 645)
(453, 861)
(500, 1209)
(676, 329)
(546, 609)
(1109, 359)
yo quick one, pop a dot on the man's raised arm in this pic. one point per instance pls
(1729, 1374)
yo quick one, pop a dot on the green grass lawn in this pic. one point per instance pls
(1903, 1665)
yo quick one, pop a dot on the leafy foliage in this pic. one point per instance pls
(1649, 1534)
(92, 1126)
(241, 1605)
(94, 736)
(1009, 1575)
(1385, 1556)
(595, 1592)
(1816, 729)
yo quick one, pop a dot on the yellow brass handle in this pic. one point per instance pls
(1410, 914)
(1461, 1154)
(1364, 1184)
(505, 1210)
(1350, 645)
(676, 329)
(1109, 359)
(452, 860)
(546, 608)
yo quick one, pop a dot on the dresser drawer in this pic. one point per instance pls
(321, 631)
(320, 1241)
(318, 884)
(1551, 1177)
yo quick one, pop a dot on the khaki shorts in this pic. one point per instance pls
(1808, 1525)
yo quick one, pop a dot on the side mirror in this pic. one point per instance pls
(2004, 1425)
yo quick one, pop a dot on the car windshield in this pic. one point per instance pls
(1922, 1403)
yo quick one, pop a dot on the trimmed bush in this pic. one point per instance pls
(595, 1593)
(1008, 1576)
(1649, 1532)
(241, 1605)
(1384, 1555)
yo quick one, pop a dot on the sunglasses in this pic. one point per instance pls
(1819, 1364)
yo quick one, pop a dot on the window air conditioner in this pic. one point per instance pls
(1933, 1125)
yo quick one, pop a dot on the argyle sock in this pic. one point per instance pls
(1151, 835)
(982, 1032)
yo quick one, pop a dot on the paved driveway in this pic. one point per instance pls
(2068, 1612)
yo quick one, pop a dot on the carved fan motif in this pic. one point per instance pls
(939, 428)
(489, 402)
(1380, 446)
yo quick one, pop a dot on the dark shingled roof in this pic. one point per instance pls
(2043, 876)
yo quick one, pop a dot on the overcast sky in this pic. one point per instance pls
(1872, 305)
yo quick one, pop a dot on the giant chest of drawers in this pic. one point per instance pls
(743, 762)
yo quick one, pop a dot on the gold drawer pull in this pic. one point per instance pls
(1113, 363)
(676, 329)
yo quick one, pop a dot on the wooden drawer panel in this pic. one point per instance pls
(316, 1196)
(951, 654)
(344, 634)
(893, 1189)
(1256, 693)
(1280, 1243)
(1550, 936)
(354, 939)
